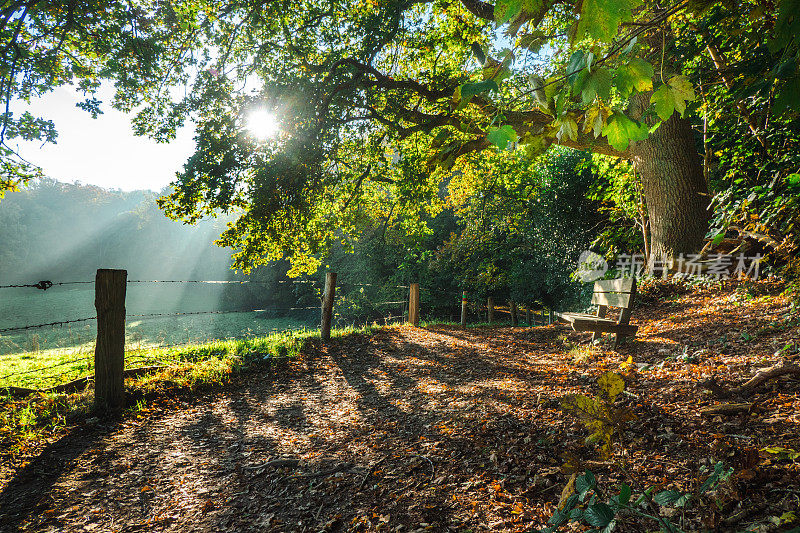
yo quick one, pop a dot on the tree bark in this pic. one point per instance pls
(674, 189)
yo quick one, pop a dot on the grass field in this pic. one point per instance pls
(43, 357)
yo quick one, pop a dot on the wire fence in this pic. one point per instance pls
(85, 362)
(36, 326)
(45, 284)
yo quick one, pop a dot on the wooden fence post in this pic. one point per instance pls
(413, 304)
(551, 316)
(514, 314)
(327, 305)
(109, 352)
(490, 309)
(464, 302)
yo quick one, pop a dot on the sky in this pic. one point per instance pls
(102, 151)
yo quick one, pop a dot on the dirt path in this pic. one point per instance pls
(439, 429)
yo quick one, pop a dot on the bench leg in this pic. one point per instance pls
(601, 313)
(618, 337)
(624, 318)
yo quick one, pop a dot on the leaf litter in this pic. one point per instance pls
(443, 429)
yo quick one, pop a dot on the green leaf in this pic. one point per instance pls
(620, 130)
(672, 96)
(567, 128)
(594, 120)
(534, 6)
(537, 85)
(584, 484)
(501, 136)
(505, 10)
(468, 90)
(787, 25)
(624, 494)
(577, 63)
(533, 41)
(596, 84)
(793, 180)
(536, 145)
(464, 93)
(552, 87)
(600, 19)
(561, 101)
(672, 498)
(788, 96)
(637, 75)
(599, 515)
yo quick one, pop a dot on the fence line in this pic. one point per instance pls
(60, 323)
(109, 359)
(217, 282)
(45, 284)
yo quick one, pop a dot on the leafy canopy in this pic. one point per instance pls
(377, 99)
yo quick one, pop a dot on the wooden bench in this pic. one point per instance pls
(607, 293)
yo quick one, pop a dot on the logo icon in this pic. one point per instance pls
(591, 267)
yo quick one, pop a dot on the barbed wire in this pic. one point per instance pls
(218, 282)
(45, 284)
(158, 315)
(59, 323)
(187, 313)
(178, 314)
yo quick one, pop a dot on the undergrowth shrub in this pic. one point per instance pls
(791, 274)
(650, 289)
(584, 502)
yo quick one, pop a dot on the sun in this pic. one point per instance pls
(262, 124)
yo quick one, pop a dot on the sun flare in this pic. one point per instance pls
(262, 124)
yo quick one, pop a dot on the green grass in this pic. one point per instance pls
(34, 365)
(27, 421)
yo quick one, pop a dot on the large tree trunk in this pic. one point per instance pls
(674, 188)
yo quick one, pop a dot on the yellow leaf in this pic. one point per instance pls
(568, 491)
(611, 384)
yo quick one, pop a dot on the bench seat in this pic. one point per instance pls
(607, 293)
(584, 322)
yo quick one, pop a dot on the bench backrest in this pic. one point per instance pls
(614, 292)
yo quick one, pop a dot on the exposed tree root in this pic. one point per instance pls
(782, 368)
